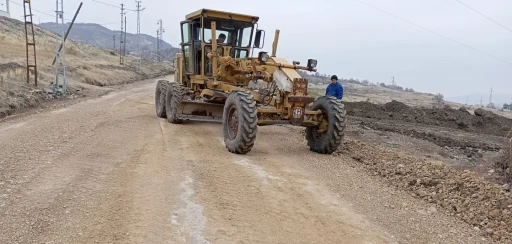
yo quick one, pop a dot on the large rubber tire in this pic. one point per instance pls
(240, 122)
(160, 93)
(334, 112)
(174, 97)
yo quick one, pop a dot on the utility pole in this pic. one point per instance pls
(490, 97)
(8, 11)
(122, 39)
(158, 44)
(138, 36)
(124, 42)
(30, 40)
(60, 53)
(114, 37)
(393, 82)
(159, 37)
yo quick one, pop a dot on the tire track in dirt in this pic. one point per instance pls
(104, 178)
(118, 174)
(244, 202)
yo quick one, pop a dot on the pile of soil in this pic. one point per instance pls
(464, 194)
(434, 137)
(484, 121)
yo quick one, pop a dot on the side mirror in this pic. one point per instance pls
(259, 42)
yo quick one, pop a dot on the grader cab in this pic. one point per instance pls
(217, 79)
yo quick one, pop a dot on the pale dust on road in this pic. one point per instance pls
(107, 170)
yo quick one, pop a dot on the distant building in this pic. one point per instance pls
(5, 13)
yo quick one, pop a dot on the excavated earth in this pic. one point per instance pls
(444, 156)
(489, 123)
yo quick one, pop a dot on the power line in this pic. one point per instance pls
(51, 15)
(504, 27)
(107, 4)
(433, 32)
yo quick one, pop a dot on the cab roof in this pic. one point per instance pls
(222, 15)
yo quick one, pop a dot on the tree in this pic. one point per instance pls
(438, 100)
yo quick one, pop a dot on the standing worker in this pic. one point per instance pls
(334, 89)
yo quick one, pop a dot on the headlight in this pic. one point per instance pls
(263, 57)
(312, 63)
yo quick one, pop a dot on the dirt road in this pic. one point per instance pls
(107, 170)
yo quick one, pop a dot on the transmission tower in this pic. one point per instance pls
(7, 12)
(122, 39)
(158, 44)
(30, 42)
(393, 82)
(138, 36)
(159, 37)
(60, 64)
(490, 97)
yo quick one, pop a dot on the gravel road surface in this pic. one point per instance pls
(107, 170)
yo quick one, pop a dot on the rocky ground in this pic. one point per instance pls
(453, 159)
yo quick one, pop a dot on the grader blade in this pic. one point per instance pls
(200, 111)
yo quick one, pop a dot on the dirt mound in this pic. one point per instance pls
(9, 66)
(487, 122)
(464, 194)
(437, 138)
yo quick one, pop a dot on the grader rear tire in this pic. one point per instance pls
(173, 99)
(326, 138)
(240, 122)
(160, 93)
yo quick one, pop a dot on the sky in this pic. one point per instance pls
(351, 39)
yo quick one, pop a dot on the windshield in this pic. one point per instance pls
(234, 33)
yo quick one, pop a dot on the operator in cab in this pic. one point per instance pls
(334, 89)
(221, 38)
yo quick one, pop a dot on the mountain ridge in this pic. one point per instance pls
(101, 36)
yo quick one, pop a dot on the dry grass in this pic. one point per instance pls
(87, 68)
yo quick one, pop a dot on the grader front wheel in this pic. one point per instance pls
(173, 99)
(240, 122)
(160, 93)
(326, 138)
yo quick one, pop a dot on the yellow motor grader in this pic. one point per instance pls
(218, 79)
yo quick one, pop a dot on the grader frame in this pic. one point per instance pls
(212, 82)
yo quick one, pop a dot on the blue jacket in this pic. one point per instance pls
(335, 90)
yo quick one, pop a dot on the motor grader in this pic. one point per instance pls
(215, 77)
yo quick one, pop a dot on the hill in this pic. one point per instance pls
(379, 93)
(497, 99)
(89, 69)
(100, 36)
